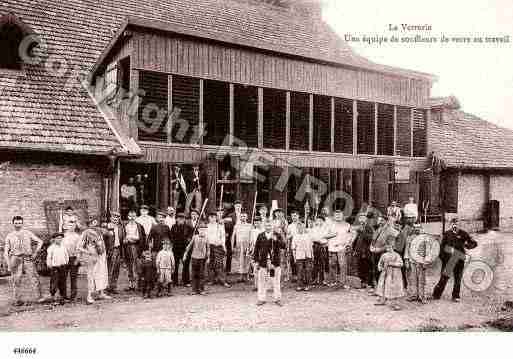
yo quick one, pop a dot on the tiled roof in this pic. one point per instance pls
(462, 140)
(46, 112)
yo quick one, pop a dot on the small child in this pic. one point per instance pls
(148, 274)
(57, 261)
(165, 264)
(390, 284)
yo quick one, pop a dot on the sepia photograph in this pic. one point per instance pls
(255, 166)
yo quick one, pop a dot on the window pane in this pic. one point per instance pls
(365, 127)
(299, 121)
(343, 125)
(246, 114)
(153, 107)
(385, 130)
(322, 124)
(186, 100)
(216, 111)
(275, 107)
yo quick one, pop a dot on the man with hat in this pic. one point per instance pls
(114, 248)
(455, 242)
(258, 228)
(158, 233)
(171, 217)
(230, 222)
(361, 250)
(177, 188)
(146, 220)
(181, 234)
(400, 243)
(195, 217)
(216, 237)
(135, 238)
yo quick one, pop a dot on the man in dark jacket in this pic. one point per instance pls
(158, 233)
(181, 234)
(452, 253)
(114, 247)
(400, 244)
(267, 256)
(361, 250)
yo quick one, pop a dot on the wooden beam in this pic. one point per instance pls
(169, 129)
(355, 127)
(134, 118)
(201, 124)
(260, 117)
(375, 128)
(310, 124)
(287, 122)
(428, 121)
(411, 131)
(395, 130)
(332, 124)
(232, 114)
(116, 175)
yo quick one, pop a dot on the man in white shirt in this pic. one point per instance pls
(339, 239)
(20, 256)
(171, 217)
(132, 244)
(216, 237)
(70, 242)
(146, 220)
(411, 210)
(302, 249)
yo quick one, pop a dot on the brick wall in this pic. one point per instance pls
(472, 196)
(25, 185)
(501, 189)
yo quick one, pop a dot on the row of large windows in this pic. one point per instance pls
(217, 110)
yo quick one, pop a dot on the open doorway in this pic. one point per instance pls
(138, 186)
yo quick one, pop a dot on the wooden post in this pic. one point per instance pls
(395, 130)
(169, 129)
(201, 111)
(260, 117)
(310, 124)
(116, 177)
(232, 114)
(375, 128)
(355, 127)
(332, 124)
(287, 122)
(428, 120)
(412, 114)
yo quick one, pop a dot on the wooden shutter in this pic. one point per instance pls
(343, 125)
(419, 133)
(403, 131)
(246, 114)
(299, 121)
(216, 111)
(322, 124)
(275, 107)
(153, 123)
(385, 130)
(186, 98)
(366, 127)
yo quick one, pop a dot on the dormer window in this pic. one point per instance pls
(12, 33)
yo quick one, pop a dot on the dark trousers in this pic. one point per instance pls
(58, 280)
(72, 272)
(304, 270)
(148, 276)
(404, 272)
(198, 275)
(320, 264)
(365, 270)
(178, 254)
(113, 264)
(293, 266)
(458, 274)
(375, 257)
(228, 244)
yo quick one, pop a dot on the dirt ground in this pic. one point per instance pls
(235, 310)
